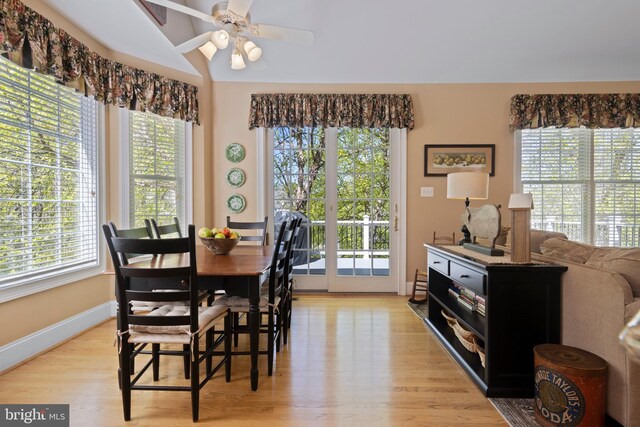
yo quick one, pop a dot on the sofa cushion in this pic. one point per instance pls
(625, 261)
(567, 250)
(540, 236)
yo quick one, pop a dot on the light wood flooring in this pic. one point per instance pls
(352, 360)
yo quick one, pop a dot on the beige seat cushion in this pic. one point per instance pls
(567, 250)
(625, 261)
(140, 306)
(240, 304)
(207, 317)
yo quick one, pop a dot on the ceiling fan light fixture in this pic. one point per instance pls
(220, 39)
(208, 49)
(253, 52)
(237, 63)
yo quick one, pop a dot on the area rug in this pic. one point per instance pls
(517, 412)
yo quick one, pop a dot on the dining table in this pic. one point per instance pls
(240, 272)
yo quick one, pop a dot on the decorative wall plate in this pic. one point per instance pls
(236, 203)
(236, 177)
(234, 152)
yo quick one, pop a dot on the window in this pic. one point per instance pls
(585, 183)
(157, 159)
(48, 178)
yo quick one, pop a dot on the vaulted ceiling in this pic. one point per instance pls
(399, 41)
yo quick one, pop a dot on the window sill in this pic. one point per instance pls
(28, 286)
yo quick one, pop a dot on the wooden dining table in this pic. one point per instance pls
(239, 272)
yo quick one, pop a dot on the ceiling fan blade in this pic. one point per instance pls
(282, 33)
(184, 9)
(193, 43)
(239, 7)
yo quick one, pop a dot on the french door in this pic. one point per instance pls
(345, 185)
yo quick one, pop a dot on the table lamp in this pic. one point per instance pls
(520, 206)
(467, 186)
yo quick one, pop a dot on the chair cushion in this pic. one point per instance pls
(207, 317)
(138, 306)
(242, 304)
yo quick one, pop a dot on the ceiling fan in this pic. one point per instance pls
(233, 24)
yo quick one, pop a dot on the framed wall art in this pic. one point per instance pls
(440, 160)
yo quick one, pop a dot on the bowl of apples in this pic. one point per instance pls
(220, 241)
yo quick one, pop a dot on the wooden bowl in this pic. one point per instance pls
(219, 246)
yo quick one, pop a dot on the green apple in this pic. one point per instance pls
(215, 231)
(219, 236)
(205, 232)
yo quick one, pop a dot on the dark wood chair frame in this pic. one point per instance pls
(167, 229)
(287, 292)
(189, 293)
(259, 225)
(275, 288)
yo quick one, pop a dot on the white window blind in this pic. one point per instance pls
(48, 176)
(585, 183)
(157, 184)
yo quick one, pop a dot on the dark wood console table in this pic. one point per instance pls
(522, 310)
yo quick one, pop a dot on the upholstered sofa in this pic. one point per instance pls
(600, 294)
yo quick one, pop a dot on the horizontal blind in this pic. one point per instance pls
(48, 175)
(585, 183)
(556, 169)
(157, 168)
(616, 155)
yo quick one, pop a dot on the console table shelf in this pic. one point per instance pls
(522, 310)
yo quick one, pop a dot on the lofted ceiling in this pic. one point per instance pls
(399, 41)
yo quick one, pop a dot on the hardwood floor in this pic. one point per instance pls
(356, 360)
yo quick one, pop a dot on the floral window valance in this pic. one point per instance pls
(616, 110)
(32, 41)
(331, 110)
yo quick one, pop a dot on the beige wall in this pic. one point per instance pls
(444, 114)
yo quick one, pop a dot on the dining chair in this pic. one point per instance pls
(171, 230)
(269, 301)
(259, 228)
(168, 324)
(145, 232)
(420, 278)
(287, 291)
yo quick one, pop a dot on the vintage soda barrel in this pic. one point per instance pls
(570, 386)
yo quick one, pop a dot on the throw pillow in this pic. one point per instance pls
(625, 261)
(567, 250)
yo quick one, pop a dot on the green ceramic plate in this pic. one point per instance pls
(236, 177)
(234, 152)
(236, 203)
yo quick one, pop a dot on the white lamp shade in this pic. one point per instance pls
(208, 49)
(521, 201)
(253, 52)
(474, 185)
(237, 63)
(220, 39)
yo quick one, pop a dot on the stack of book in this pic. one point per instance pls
(467, 298)
(480, 305)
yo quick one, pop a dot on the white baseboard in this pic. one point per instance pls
(20, 350)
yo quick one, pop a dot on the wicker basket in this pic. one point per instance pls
(466, 338)
(219, 246)
(480, 352)
(450, 319)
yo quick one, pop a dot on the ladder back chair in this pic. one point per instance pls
(171, 230)
(169, 324)
(420, 278)
(260, 228)
(269, 301)
(287, 292)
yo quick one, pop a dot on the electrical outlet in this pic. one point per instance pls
(426, 191)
